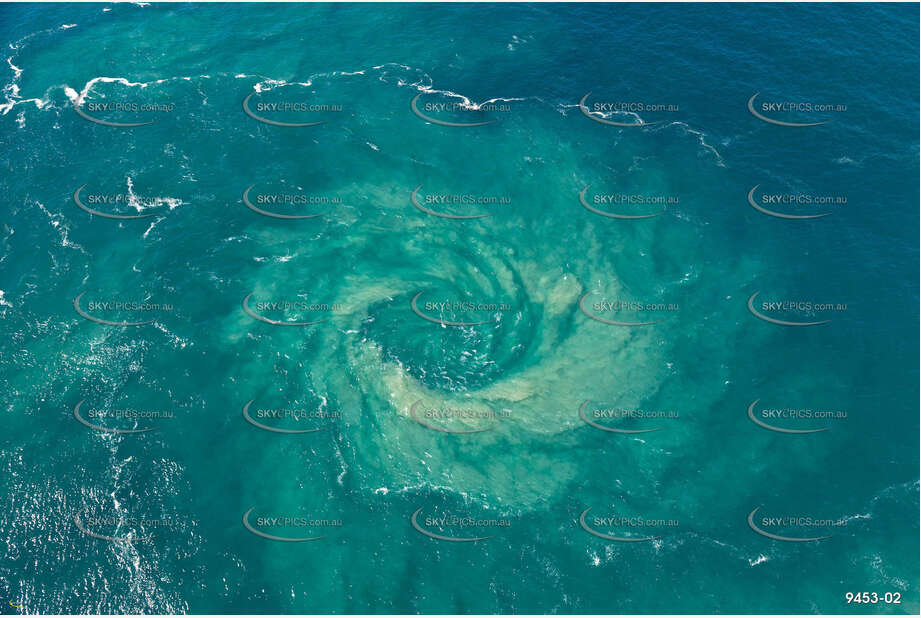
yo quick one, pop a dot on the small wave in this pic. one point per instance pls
(701, 139)
(56, 221)
(77, 98)
(152, 202)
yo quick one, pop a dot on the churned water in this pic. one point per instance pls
(453, 308)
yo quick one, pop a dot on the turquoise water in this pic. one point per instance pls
(447, 359)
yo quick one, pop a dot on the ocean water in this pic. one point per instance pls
(469, 437)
